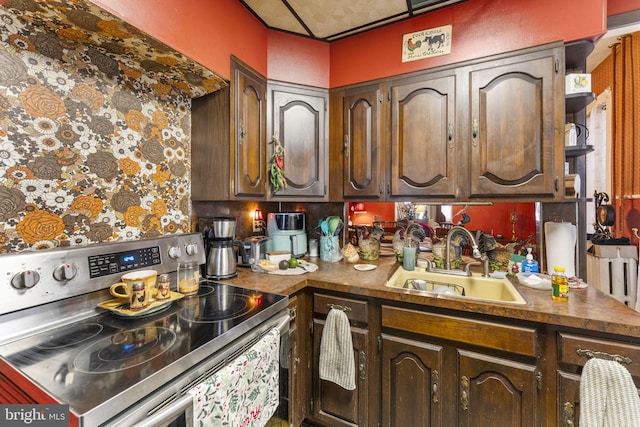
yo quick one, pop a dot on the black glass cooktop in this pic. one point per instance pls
(86, 363)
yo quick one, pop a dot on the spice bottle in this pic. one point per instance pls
(559, 285)
(164, 287)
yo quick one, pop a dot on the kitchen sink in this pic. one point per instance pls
(474, 287)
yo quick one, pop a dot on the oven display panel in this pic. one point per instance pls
(121, 262)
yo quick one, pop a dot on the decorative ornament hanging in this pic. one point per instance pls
(276, 169)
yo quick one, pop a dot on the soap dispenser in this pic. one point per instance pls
(530, 265)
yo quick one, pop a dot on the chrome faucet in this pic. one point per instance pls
(447, 256)
(474, 245)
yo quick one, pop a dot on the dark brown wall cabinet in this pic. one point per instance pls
(228, 134)
(298, 117)
(479, 130)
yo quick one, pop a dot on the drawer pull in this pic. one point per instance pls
(589, 354)
(339, 307)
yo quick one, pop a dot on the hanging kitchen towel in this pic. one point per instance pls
(608, 396)
(243, 393)
(336, 351)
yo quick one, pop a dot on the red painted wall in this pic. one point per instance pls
(615, 7)
(297, 59)
(209, 32)
(496, 219)
(204, 30)
(480, 28)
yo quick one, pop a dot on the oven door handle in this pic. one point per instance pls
(181, 405)
(168, 414)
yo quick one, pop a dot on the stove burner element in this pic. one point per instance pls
(222, 304)
(70, 336)
(124, 350)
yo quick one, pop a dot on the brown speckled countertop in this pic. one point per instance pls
(588, 308)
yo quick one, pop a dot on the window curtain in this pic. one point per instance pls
(626, 127)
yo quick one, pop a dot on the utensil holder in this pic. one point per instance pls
(330, 249)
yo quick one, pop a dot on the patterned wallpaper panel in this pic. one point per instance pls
(91, 149)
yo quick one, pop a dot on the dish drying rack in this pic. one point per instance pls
(432, 285)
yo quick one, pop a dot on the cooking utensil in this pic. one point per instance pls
(338, 229)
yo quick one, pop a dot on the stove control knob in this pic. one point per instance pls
(65, 272)
(25, 279)
(192, 249)
(175, 252)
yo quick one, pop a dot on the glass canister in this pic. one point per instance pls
(188, 278)
(409, 255)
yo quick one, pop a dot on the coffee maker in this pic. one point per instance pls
(219, 240)
(287, 232)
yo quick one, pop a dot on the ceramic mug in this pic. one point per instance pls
(124, 288)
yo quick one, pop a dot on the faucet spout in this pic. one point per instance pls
(474, 245)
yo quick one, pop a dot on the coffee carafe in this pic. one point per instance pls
(220, 241)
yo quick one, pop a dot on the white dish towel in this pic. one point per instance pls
(337, 362)
(243, 393)
(608, 396)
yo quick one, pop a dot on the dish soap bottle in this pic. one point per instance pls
(530, 265)
(559, 285)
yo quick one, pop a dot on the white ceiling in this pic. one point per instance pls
(334, 19)
(602, 48)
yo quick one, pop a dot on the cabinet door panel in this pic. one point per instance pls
(249, 134)
(333, 404)
(513, 128)
(423, 141)
(411, 383)
(494, 391)
(300, 123)
(362, 154)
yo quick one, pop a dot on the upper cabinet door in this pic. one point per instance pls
(423, 142)
(248, 132)
(363, 160)
(515, 116)
(298, 117)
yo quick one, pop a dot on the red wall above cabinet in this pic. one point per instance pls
(204, 30)
(480, 28)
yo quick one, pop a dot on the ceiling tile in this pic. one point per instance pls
(276, 15)
(330, 17)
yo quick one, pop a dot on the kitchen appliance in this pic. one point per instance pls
(254, 249)
(57, 346)
(220, 246)
(287, 232)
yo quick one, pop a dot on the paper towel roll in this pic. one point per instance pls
(560, 244)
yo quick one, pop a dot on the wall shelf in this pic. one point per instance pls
(577, 101)
(578, 150)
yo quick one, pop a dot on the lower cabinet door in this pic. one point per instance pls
(496, 392)
(334, 405)
(411, 383)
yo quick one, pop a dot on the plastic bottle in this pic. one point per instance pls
(559, 285)
(530, 265)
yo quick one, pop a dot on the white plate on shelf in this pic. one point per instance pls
(364, 267)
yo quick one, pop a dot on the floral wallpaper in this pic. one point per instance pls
(94, 128)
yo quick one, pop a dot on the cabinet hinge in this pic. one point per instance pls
(311, 328)
(557, 66)
(380, 97)
(379, 344)
(539, 380)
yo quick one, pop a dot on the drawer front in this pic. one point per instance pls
(356, 310)
(513, 339)
(571, 346)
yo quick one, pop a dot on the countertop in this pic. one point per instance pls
(587, 308)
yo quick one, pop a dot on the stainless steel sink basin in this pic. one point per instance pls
(452, 286)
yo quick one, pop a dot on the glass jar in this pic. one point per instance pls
(188, 278)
